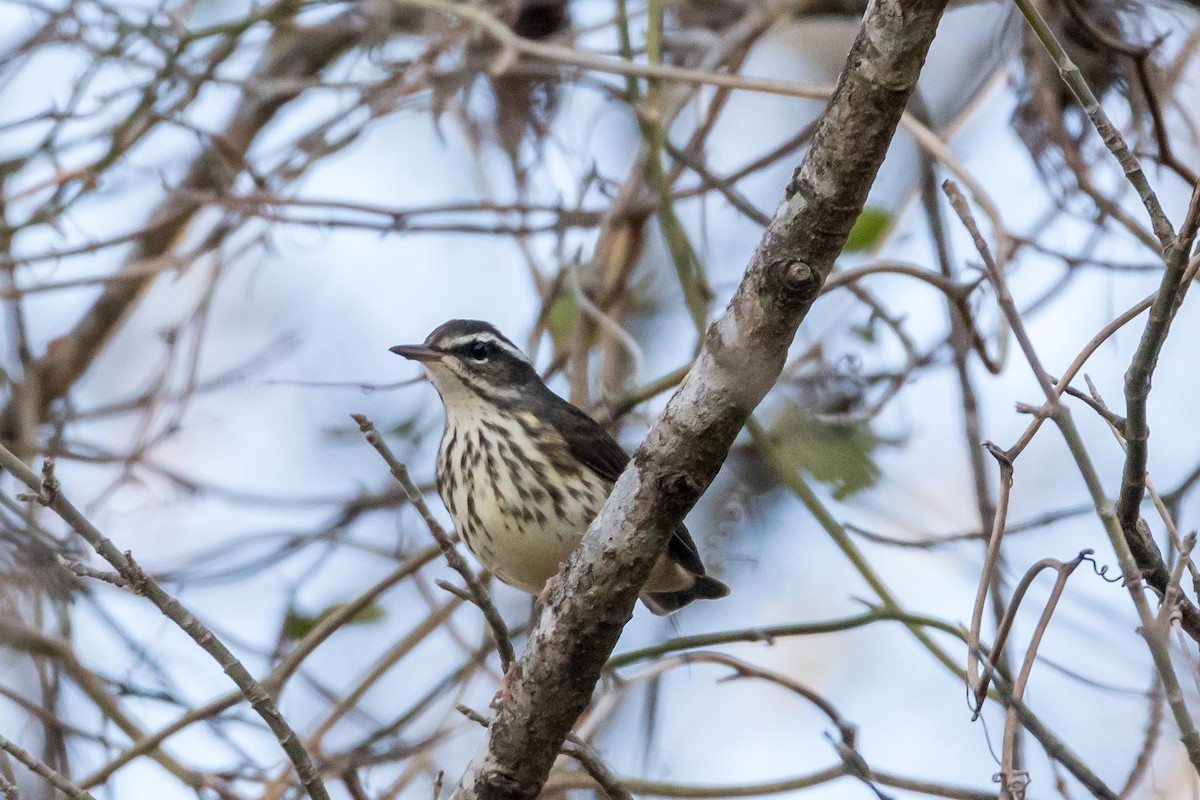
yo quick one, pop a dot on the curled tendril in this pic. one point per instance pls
(1102, 571)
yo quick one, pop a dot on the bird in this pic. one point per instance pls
(523, 472)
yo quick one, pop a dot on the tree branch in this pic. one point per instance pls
(743, 354)
(291, 55)
(141, 583)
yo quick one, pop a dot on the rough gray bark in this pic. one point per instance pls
(742, 357)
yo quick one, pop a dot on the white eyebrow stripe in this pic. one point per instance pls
(492, 338)
(468, 338)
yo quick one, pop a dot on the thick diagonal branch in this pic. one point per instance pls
(742, 357)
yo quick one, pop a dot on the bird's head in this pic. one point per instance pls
(467, 359)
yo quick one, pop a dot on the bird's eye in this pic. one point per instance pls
(479, 351)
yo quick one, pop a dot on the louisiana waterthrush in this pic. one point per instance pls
(523, 472)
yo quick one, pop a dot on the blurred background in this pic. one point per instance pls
(218, 216)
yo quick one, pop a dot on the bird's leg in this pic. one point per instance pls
(544, 595)
(510, 675)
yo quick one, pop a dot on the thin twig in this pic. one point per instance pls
(1154, 720)
(769, 634)
(578, 749)
(278, 677)
(1012, 778)
(1112, 137)
(846, 742)
(593, 764)
(1136, 431)
(428, 626)
(509, 40)
(84, 571)
(479, 593)
(1055, 409)
(41, 769)
(7, 788)
(141, 583)
(987, 579)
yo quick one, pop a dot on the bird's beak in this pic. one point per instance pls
(417, 352)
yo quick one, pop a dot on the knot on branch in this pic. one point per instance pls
(676, 486)
(1003, 457)
(1013, 784)
(793, 185)
(494, 783)
(793, 280)
(137, 578)
(48, 489)
(847, 749)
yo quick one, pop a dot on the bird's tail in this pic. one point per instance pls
(706, 587)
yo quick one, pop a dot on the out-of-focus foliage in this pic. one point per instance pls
(297, 625)
(868, 230)
(838, 455)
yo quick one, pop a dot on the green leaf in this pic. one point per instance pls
(297, 625)
(562, 319)
(868, 229)
(866, 331)
(839, 456)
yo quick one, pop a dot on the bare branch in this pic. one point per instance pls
(41, 769)
(141, 583)
(291, 53)
(478, 592)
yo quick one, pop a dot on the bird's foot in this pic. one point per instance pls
(544, 595)
(510, 675)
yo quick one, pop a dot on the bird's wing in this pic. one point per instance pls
(592, 445)
(682, 550)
